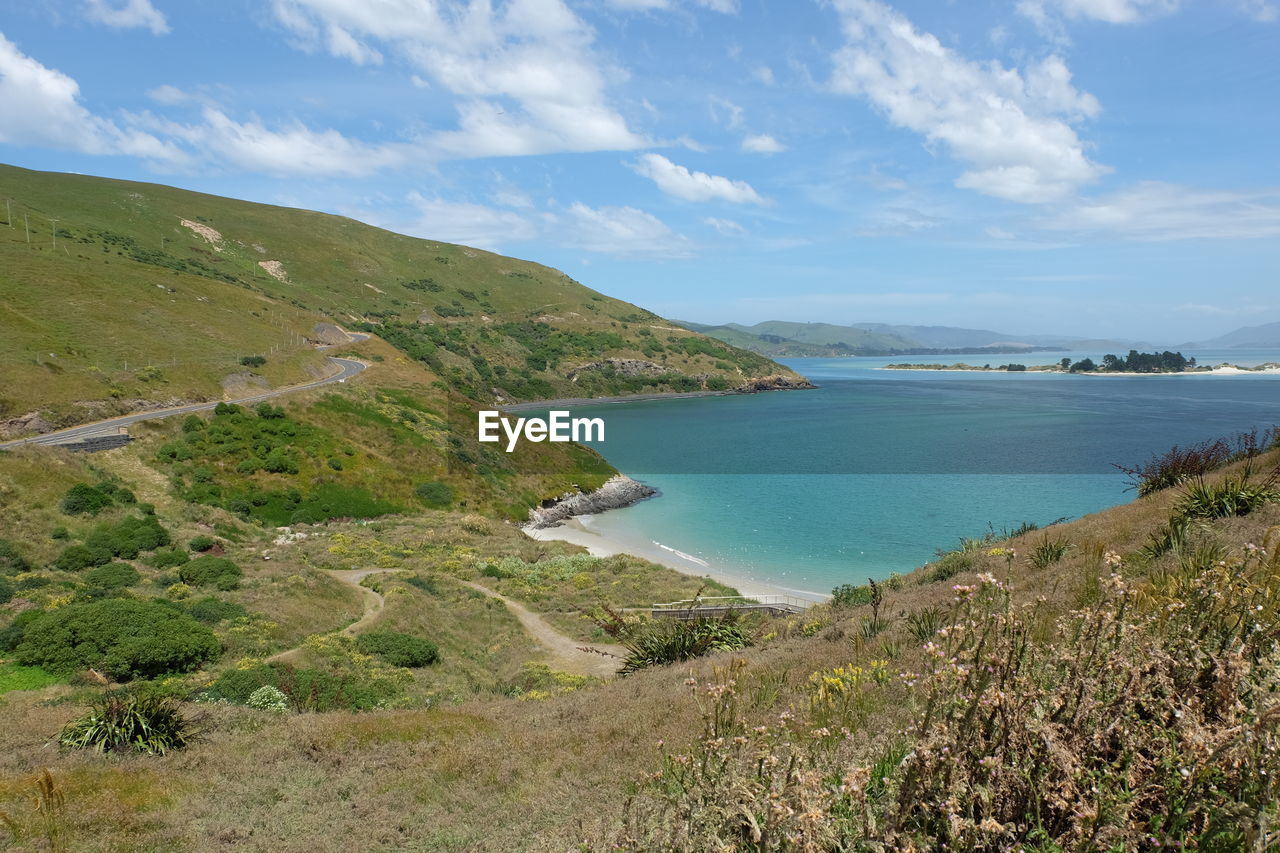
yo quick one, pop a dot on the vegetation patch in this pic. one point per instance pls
(123, 638)
(15, 676)
(211, 571)
(130, 722)
(398, 649)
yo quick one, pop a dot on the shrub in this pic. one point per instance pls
(305, 689)
(130, 723)
(11, 560)
(201, 543)
(11, 634)
(1180, 464)
(666, 641)
(167, 558)
(128, 537)
(1236, 495)
(949, 565)
(252, 360)
(398, 649)
(268, 698)
(848, 595)
(1048, 551)
(7, 590)
(434, 494)
(212, 610)
(75, 558)
(211, 571)
(113, 576)
(124, 638)
(83, 499)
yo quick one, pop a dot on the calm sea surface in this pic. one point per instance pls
(873, 471)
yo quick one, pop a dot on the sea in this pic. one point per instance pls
(875, 470)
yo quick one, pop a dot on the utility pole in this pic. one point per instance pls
(8, 212)
(53, 229)
(27, 223)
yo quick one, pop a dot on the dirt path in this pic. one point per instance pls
(567, 654)
(373, 603)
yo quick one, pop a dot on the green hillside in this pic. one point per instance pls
(117, 295)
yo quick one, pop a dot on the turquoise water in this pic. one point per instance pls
(874, 470)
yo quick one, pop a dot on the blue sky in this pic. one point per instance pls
(1093, 167)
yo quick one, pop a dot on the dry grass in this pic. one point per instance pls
(494, 773)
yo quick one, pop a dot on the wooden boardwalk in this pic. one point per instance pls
(714, 607)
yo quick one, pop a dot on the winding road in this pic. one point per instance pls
(345, 369)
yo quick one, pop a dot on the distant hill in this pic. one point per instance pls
(782, 339)
(1266, 336)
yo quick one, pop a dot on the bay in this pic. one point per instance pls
(874, 470)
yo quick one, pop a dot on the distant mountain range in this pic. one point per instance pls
(1266, 336)
(777, 338)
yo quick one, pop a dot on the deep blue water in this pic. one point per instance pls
(874, 470)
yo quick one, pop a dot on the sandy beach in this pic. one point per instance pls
(580, 531)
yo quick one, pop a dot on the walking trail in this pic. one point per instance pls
(564, 654)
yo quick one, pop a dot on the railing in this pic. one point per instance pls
(788, 603)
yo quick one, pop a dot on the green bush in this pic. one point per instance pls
(398, 649)
(167, 558)
(212, 610)
(129, 723)
(122, 637)
(83, 499)
(201, 543)
(252, 360)
(128, 537)
(7, 590)
(11, 560)
(434, 494)
(268, 698)
(113, 576)
(11, 634)
(211, 571)
(1048, 551)
(306, 689)
(848, 595)
(75, 558)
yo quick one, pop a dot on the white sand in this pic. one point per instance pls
(580, 531)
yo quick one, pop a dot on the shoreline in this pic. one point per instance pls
(537, 405)
(578, 530)
(1221, 370)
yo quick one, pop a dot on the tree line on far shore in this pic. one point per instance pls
(1135, 362)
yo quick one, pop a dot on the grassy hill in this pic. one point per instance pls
(116, 295)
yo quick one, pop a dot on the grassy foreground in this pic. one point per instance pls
(1089, 686)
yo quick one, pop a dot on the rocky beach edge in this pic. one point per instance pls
(617, 492)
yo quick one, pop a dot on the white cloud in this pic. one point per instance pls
(727, 227)
(1109, 11)
(168, 95)
(1262, 11)
(42, 108)
(133, 14)
(622, 231)
(896, 220)
(292, 149)
(1011, 128)
(468, 224)
(764, 74)
(678, 181)
(762, 143)
(1156, 212)
(726, 112)
(728, 7)
(525, 71)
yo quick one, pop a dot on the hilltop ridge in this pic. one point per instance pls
(118, 296)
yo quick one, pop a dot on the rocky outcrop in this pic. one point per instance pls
(774, 383)
(617, 492)
(624, 366)
(31, 422)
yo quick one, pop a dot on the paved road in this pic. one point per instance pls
(345, 369)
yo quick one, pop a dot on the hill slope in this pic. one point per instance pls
(117, 295)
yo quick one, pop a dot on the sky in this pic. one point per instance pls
(1090, 167)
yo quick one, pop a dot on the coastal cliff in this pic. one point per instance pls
(617, 492)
